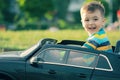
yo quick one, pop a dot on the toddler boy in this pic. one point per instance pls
(92, 18)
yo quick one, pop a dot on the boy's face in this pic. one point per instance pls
(92, 21)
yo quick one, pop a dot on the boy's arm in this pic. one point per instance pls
(91, 44)
(98, 42)
(95, 40)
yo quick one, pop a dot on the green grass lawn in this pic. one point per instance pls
(19, 40)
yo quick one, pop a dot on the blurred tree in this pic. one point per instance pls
(115, 7)
(61, 7)
(2, 7)
(36, 8)
(21, 3)
(10, 12)
(40, 7)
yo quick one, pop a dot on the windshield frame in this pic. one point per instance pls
(29, 50)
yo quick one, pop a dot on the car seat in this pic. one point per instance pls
(117, 47)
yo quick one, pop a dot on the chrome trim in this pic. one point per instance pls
(111, 69)
(67, 65)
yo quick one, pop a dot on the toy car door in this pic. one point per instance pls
(80, 65)
(48, 66)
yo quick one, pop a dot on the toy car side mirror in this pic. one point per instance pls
(35, 60)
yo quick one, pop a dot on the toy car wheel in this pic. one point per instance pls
(4, 78)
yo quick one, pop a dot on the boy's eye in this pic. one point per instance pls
(95, 19)
(87, 20)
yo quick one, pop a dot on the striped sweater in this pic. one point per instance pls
(99, 41)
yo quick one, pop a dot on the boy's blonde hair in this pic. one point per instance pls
(92, 6)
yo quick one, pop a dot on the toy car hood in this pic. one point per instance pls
(10, 54)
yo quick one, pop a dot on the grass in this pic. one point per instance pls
(19, 40)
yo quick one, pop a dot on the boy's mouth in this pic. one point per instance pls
(91, 28)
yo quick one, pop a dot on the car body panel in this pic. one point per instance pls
(67, 60)
(13, 68)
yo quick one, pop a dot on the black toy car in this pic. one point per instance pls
(65, 60)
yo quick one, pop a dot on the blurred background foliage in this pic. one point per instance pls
(21, 19)
(43, 14)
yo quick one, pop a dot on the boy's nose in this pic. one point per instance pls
(90, 22)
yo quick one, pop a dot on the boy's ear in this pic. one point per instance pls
(104, 19)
